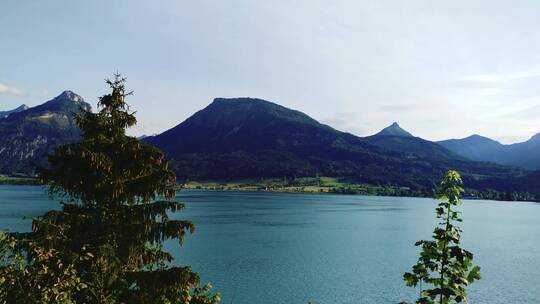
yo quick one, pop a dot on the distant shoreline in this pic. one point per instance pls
(310, 185)
(329, 185)
(467, 198)
(16, 180)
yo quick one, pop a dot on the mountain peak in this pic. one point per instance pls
(231, 124)
(394, 130)
(70, 95)
(238, 99)
(20, 108)
(29, 135)
(239, 110)
(247, 102)
(67, 101)
(478, 139)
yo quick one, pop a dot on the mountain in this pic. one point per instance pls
(245, 137)
(29, 135)
(242, 138)
(4, 114)
(476, 147)
(394, 138)
(393, 130)
(525, 154)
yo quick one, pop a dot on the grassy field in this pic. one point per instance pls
(344, 186)
(305, 184)
(15, 180)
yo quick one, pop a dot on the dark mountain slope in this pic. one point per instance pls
(244, 137)
(28, 136)
(396, 139)
(252, 138)
(525, 155)
(474, 147)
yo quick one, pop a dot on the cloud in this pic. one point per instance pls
(8, 90)
(505, 85)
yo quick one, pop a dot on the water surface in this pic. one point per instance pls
(297, 248)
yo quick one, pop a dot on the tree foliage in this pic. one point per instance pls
(32, 274)
(443, 265)
(117, 196)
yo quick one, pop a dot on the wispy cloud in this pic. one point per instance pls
(505, 85)
(9, 90)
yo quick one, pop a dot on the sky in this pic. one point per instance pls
(441, 69)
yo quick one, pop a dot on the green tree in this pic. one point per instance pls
(31, 274)
(117, 195)
(443, 265)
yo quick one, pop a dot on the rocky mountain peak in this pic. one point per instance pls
(70, 95)
(394, 130)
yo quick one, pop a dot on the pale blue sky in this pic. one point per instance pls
(442, 69)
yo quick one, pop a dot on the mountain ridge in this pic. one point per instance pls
(4, 114)
(253, 138)
(480, 148)
(393, 130)
(397, 139)
(28, 136)
(236, 138)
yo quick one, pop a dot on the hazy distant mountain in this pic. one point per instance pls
(395, 138)
(29, 135)
(253, 138)
(20, 108)
(525, 155)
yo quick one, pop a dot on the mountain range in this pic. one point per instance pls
(249, 138)
(395, 138)
(475, 147)
(242, 138)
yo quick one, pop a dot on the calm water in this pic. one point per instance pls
(296, 248)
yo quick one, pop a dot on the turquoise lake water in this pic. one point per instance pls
(297, 248)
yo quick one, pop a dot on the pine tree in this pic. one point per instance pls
(117, 195)
(443, 265)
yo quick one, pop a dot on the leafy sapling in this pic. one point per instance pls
(443, 265)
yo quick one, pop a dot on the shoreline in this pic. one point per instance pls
(324, 185)
(15, 180)
(346, 189)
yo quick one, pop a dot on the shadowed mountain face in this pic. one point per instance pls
(252, 138)
(394, 138)
(525, 155)
(29, 135)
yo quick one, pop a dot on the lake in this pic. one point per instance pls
(296, 248)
